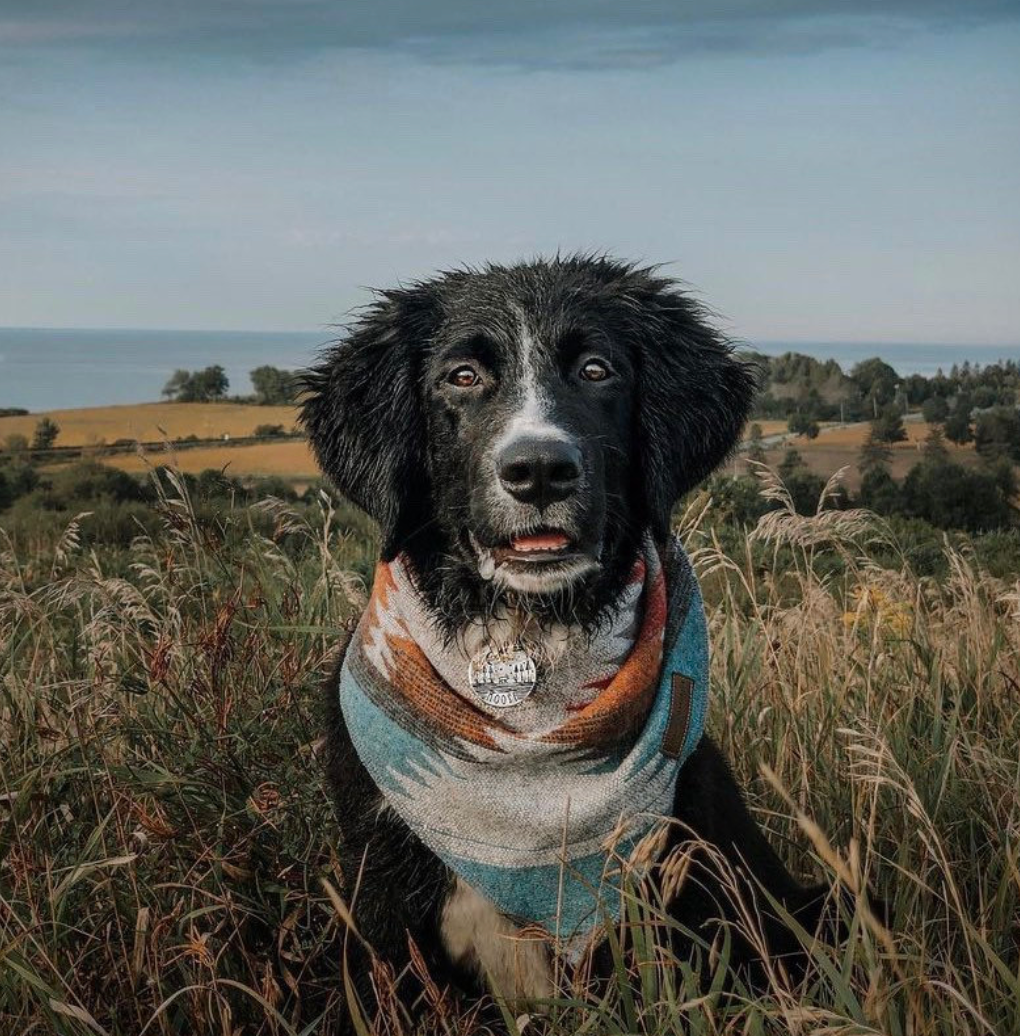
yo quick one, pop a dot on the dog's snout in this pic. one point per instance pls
(540, 471)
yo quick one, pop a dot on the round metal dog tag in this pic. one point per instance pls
(502, 677)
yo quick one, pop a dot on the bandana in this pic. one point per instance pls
(534, 806)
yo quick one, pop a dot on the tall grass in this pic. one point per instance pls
(166, 860)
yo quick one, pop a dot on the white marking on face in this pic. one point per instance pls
(530, 418)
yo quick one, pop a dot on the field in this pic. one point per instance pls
(166, 851)
(152, 422)
(839, 446)
(291, 459)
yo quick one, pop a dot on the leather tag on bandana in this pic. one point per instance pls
(679, 722)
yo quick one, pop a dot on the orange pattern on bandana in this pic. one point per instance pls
(623, 706)
(413, 679)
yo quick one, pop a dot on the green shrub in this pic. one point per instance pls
(954, 497)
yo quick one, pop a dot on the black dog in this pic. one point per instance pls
(514, 431)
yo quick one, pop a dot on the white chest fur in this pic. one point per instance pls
(482, 940)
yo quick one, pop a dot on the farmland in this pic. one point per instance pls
(152, 422)
(291, 459)
(838, 446)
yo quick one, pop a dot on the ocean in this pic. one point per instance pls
(46, 369)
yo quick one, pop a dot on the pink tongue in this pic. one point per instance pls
(540, 541)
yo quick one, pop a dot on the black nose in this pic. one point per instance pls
(539, 471)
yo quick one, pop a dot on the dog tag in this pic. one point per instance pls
(502, 677)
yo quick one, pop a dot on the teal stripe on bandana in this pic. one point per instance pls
(523, 821)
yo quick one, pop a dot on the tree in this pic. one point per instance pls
(737, 500)
(791, 463)
(804, 486)
(888, 426)
(273, 386)
(935, 449)
(935, 409)
(877, 382)
(803, 424)
(16, 443)
(197, 386)
(177, 384)
(755, 444)
(879, 491)
(210, 383)
(997, 433)
(21, 477)
(951, 496)
(958, 426)
(46, 432)
(874, 456)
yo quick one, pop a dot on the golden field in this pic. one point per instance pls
(290, 458)
(152, 422)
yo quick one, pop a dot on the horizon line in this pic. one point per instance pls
(738, 340)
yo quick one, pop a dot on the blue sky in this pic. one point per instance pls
(815, 170)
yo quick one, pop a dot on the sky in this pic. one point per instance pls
(814, 169)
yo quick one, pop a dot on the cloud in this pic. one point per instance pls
(528, 33)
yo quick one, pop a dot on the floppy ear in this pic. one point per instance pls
(362, 410)
(694, 395)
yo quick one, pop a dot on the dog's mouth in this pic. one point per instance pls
(537, 548)
(535, 561)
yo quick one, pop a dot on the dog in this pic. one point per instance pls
(516, 431)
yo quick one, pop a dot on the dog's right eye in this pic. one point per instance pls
(463, 377)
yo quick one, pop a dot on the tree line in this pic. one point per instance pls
(273, 386)
(805, 391)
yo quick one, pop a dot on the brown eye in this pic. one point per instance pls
(464, 377)
(594, 370)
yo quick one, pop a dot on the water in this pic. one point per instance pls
(42, 369)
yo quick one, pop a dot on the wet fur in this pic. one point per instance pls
(377, 429)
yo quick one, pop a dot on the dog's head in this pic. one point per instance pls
(526, 422)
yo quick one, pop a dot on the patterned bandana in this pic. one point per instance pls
(534, 806)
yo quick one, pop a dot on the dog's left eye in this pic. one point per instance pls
(594, 370)
(463, 377)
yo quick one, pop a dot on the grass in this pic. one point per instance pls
(166, 851)
(152, 422)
